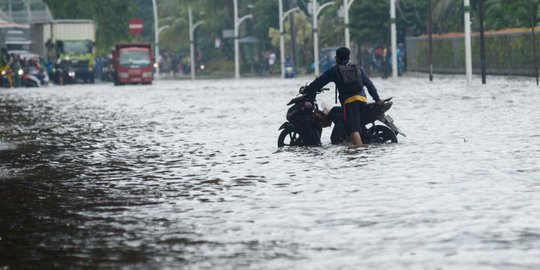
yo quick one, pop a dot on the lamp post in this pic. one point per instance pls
(237, 23)
(157, 48)
(156, 36)
(315, 13)
(468, 54)
(430, 30)
(28, 11)
(393, 37)
(482, 41)
(533, 25)
(192, 28)
(282, 17)
(347, 5)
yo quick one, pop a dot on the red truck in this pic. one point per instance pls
(132, 63)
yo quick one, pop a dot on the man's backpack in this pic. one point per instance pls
(351, 77)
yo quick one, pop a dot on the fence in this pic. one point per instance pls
(508, 52)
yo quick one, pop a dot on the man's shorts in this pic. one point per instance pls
(353, 113)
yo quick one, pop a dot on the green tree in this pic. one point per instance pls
(304, 38)
(515, 13)
(370, 21)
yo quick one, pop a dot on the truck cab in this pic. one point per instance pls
(78, 56)
(132, 64)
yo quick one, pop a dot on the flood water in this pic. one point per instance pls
(187, 175)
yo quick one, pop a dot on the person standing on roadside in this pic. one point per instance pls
(271, 61)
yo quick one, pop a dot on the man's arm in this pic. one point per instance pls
(370, 86)
(320, 82)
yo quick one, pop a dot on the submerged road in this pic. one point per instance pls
(187, 175)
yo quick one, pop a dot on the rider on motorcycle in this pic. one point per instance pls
(350, 81)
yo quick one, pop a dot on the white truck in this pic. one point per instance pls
(70, 42)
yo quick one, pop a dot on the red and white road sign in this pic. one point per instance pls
(135, 26)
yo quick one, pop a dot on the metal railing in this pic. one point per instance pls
(509, 53)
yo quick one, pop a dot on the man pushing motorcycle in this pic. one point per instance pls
(350, 81)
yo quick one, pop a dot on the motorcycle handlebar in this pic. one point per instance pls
(301, 90)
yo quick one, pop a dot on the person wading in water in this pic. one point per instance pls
(350, 81)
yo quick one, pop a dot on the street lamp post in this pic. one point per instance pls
(533, 25)
(192, 28)
(156, 37)
(393, 37)
(482, 41)
(157, 48)
(430, 33)
(237, 23)
(468, 54)
(282, 17)
(315, 13)
(347, 5)
(28, 11)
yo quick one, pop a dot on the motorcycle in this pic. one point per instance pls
(305, 122)
(28, 80)
(6, 76)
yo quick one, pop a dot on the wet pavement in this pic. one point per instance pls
(187, 175)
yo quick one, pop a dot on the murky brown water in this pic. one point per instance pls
(187, 175)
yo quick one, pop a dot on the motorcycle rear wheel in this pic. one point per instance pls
(289, 137)
(382, 134)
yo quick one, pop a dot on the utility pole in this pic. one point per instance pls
(468, 54)
(482, 41)
(156, 37)
(192, 28)
(393, 37)
(282, 17)
(237, 22)
(533, 22)
(315, 13)
(293, 37)
(346, 6)
(430, 30)
(10, 10)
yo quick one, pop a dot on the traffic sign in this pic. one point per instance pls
(135, 26)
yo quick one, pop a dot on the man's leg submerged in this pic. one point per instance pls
(356, 139)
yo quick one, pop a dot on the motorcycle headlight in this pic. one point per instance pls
(3, 72)
(20, 72)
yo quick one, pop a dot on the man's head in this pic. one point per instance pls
(342, 55)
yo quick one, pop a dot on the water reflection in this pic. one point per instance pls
(164, 176)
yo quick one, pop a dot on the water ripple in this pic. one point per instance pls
(165, 177)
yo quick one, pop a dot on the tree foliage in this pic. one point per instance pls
(369, 20)
(515, 13)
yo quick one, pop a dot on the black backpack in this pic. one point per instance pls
(351, 77)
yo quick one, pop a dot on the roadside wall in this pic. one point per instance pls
(508, 52)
